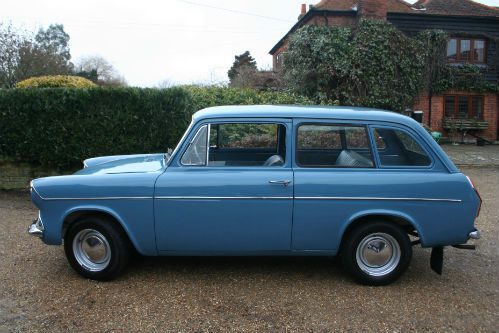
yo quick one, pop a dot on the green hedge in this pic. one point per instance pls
(60, 127)
(203, 97)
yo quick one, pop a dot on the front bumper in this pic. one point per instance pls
(36, 228)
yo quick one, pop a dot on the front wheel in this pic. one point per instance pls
(96, 248)
(377, 253)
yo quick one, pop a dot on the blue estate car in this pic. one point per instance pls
(267, 180)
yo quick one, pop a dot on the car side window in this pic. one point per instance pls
(398, 148)
(195, 154)
(238, 144)
(324, 145)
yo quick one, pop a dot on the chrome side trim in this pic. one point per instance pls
(101, 198)
(95, 198)
(249, 198)
(221, 198)
(377, 198)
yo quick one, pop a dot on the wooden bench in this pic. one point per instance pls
(465, 124)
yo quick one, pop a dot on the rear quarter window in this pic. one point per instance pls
(398, 148)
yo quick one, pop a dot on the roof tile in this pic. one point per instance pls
(432, 7)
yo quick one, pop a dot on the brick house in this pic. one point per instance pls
(474, 38)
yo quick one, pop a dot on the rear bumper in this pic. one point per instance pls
(474, 235)
(36, 228)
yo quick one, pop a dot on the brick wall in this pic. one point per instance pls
(16, 176)
(373, 9)
(490, 112)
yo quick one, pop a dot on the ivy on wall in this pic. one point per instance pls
(373, 65)
(463, 77)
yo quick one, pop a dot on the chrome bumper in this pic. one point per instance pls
(36, 228)
(475, 234)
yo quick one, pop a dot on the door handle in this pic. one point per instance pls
(280, 182)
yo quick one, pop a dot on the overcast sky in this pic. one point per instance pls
(178, 41)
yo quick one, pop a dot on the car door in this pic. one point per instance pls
(334, 166)
(346, 170)
(229, 190)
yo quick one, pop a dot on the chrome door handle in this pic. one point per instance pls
(280, 182)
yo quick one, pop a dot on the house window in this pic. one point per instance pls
(278, 60)
(466, 50)
(464, 107)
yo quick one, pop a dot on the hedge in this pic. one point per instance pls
(203, 97)
(60, 127)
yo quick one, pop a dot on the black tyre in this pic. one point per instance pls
(376, 253)
(97, 248)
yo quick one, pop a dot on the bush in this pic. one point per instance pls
(56, 81)
(61, 127)
(356, 66)
(203, 97)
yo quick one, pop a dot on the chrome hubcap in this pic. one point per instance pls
(378, 254)
(91, 249)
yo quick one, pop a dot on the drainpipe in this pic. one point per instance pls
(430, 94)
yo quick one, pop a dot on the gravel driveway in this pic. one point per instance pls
(40, 292)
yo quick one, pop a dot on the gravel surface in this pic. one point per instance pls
(39, 292)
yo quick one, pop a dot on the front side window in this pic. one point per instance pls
(196, 152)
(237, 144)
(463, 107)
(466, 50)
(330, 146)
(245, 136)
(398, 148)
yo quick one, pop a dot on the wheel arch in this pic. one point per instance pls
(77, 213)
(397, 218)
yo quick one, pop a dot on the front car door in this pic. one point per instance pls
(228, 190)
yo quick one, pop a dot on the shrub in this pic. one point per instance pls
(61, 127)
(355, 66)
(56, 81)
(203, 97)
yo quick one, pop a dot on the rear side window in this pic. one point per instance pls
(328, 146)
(398, 148)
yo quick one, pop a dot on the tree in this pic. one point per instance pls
(54, 40)
(242, 69)
(23, 55)
(10, 43)
(107, 75)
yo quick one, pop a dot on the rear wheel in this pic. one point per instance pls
(96, 248)
(376, 253)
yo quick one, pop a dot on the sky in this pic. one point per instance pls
(160, 43)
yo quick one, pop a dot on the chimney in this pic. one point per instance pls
(373, 9)
(303, 11)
